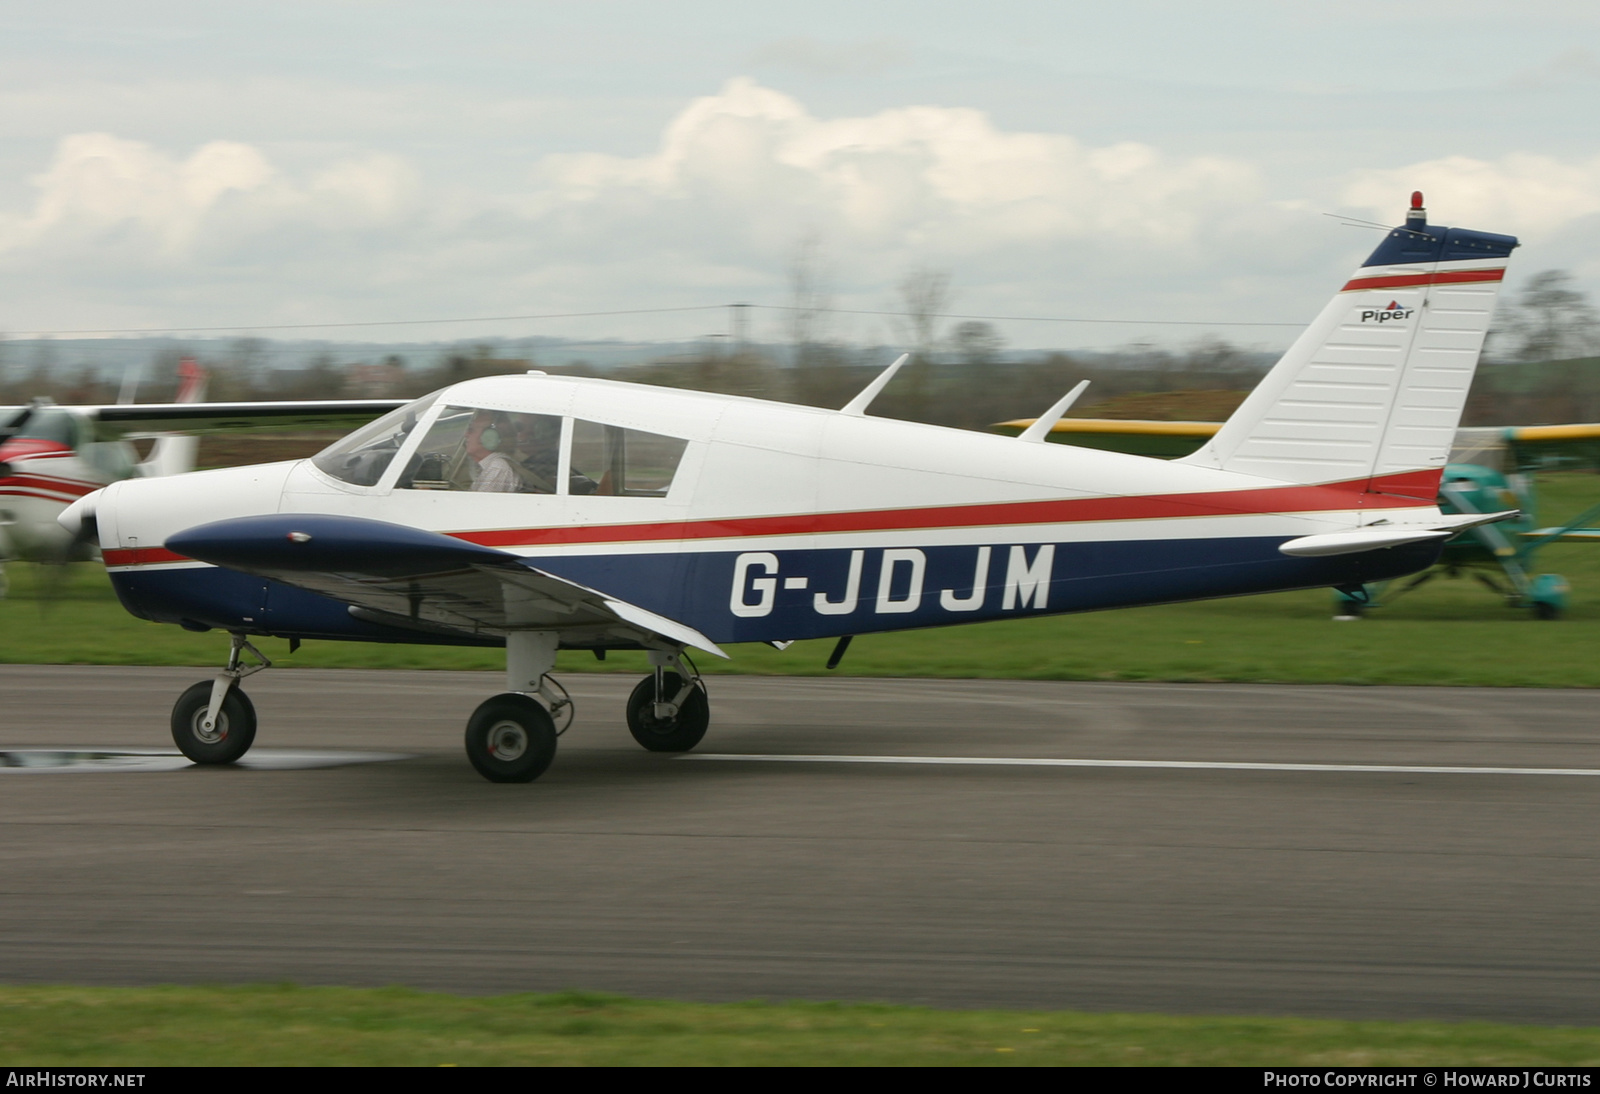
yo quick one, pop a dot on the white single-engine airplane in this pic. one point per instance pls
(541, 512)
(50, 456)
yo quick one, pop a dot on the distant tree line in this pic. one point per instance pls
(1541, 365)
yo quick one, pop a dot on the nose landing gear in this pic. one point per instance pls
(214, 721)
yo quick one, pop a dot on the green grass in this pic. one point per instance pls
(289, 1025)
(1448, 632)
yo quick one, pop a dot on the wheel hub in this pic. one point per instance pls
(216, 734)
(507, 741)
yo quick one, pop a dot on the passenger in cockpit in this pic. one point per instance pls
(538, 452)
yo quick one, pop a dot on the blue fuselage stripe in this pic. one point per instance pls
(749, 596)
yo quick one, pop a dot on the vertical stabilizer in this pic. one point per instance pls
(1374, 387)
(175, 453)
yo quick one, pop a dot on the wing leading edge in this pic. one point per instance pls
(415, 579)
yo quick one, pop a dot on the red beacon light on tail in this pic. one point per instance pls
(1416, 216)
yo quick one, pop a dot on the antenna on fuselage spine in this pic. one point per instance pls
(1040, 429)
(858, 405)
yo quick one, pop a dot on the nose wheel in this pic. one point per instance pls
(214, 722)
(230, 733)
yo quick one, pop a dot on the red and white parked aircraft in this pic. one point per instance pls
(541, 512)
(50, 456)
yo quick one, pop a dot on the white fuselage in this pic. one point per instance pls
(783, 521)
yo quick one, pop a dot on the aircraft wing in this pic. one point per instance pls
(405, 577)
(1564, 535)
(1553, 434)
(221, 417)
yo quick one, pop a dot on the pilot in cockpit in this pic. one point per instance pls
(488, 437)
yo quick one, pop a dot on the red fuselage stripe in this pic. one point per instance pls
(1276, 499)
(41, 482)
(1388, 492)
(1406, 281)
(24, 448)
(140, 556)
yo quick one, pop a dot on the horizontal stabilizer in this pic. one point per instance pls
(1365, 539)
(1375, 537)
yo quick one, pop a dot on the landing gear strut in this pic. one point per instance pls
(669, 711)
(214, 721)
(511, 738)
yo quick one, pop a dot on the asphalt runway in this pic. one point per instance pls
(1309, 885)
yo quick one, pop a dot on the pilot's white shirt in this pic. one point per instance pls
(496, 475)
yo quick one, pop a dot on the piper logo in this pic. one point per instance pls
(1393, 313)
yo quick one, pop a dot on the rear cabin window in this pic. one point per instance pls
(613, 461)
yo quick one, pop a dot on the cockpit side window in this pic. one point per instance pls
(613, 461)
(488, 451)
(362, 457)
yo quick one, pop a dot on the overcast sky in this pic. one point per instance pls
(249, 164)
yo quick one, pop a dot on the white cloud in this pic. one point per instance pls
(1521, 194)
(99, 182)
(123, 232)
(926, 178)
(106, 193)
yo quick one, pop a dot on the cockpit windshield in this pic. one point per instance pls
(361, 458)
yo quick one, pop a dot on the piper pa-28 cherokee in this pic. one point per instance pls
(545, 513)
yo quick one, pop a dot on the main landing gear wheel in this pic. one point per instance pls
(511, 739)
(224, 742)
(679, 733)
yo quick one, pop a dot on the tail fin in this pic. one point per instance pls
(175, 453)
(1373, 389)
(191, 381)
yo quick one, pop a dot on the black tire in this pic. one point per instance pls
(1545, 610)
(233, 735)
(678, 734)
(511, 739)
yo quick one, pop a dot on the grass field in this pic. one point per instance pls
(287, 1025)
(1449, 632)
